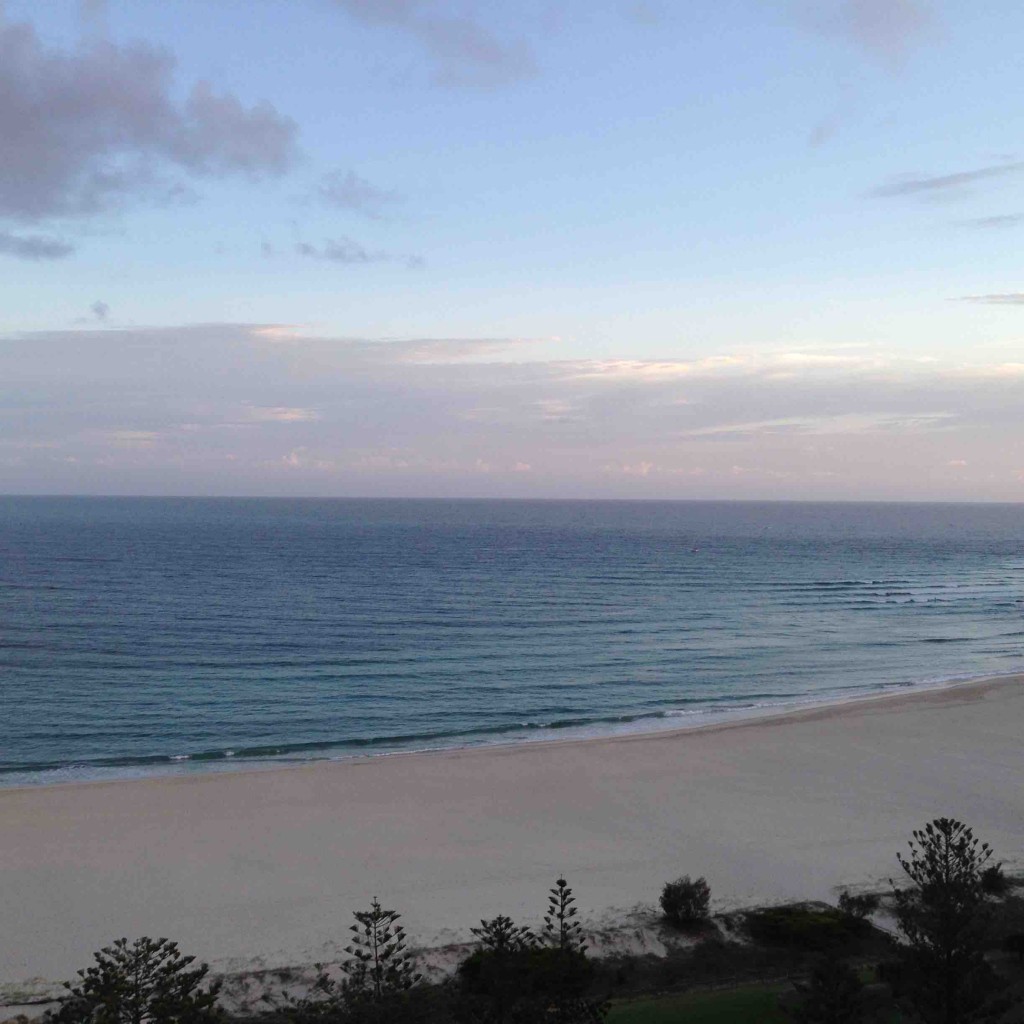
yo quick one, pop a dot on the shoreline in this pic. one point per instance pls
(259, 868)
(193, 766)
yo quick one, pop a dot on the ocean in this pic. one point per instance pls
(160, 636)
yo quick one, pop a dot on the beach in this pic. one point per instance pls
(257, 869)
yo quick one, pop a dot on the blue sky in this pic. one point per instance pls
(416, 247)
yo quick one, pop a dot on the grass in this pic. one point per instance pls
(749, 1004)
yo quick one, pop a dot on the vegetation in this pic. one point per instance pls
(961, 960)
(146, 982)
(805, 926)
(744, 1004)
(859, 907)
(833, 994)
(686, 902)
(516, 976)
(944, 977)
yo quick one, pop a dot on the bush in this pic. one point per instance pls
(858, 907)
(686, 902)
(994, 882)
(147, 982)
(802, 926)
(518, 977)
(833, 994)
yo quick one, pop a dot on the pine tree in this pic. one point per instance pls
(379, 963)
(560, 928)
(502, 935)
(146, 982)
(945, 978)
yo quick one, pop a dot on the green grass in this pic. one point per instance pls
(753, 1004)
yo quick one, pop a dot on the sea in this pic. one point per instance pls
(167, 636)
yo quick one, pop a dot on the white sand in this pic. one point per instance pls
(263, 867)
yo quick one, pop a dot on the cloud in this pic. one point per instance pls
(87, 129)
(33, 247)
(913, 185)
(1000, 220)
(100, 310)
(461, 50)
(281, 414)
(347, 251)
(885, 30)
(265, 408)
(1003, 299)
(347, 191)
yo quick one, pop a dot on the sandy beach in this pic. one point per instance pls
(262, 868)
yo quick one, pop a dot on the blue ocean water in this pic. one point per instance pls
(158, 635)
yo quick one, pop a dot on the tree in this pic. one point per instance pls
(502, 935)
(560, 928)
(514, 978)
(146, 982)
(379, 963)
(944, 977)
(380, 986)
(685, 902)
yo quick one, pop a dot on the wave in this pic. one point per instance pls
(699, 711)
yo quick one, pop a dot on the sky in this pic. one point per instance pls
(740, 249)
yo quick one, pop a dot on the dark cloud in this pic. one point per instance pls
(462, 51)
(88, 128)
(347, 250)
(1000, 299)
(100, 310)
(33, 247)
(347, 191)
(915, 185)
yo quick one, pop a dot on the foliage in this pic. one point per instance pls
(501, 934)
(513, 978)
(803, 926)
(833, 994)
(145, 982)
(380, 982)
(944, 977)
(993, 881)
(379, 963)
(560, 928)
(859, 907)
(685, 902)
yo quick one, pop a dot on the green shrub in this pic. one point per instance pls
(685, 902)
(802, 926)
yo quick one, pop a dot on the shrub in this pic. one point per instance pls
(993, 881)
(515, 977)
(147, 982)
(802, 926)
(833, 994)
(858, 907)
(685, 902)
